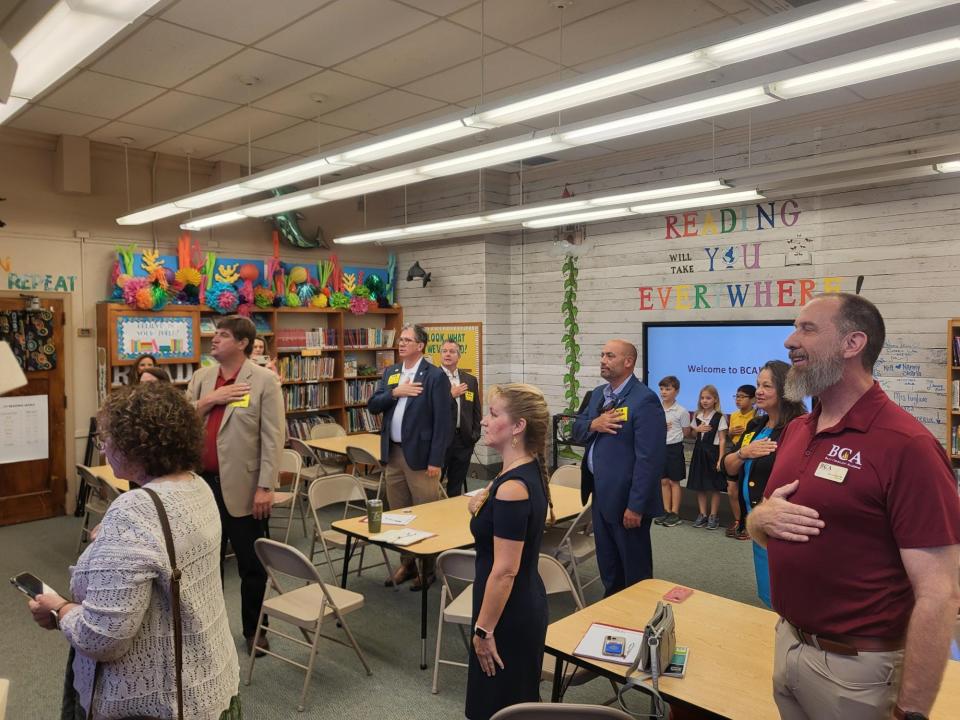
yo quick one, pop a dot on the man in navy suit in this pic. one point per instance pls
(622, 430)
(414, 397)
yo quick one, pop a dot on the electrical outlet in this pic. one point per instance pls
(84, 332)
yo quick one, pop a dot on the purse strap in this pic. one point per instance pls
(174, 606)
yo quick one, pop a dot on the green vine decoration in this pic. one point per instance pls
(571, 348)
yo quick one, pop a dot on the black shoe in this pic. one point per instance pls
(262, 645)
(417, 586)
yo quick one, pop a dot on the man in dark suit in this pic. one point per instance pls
(414, 397)
(465, 407)
(622, 430)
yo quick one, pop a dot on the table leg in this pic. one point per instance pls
(346, 562)
(425, 588)
(557, 680)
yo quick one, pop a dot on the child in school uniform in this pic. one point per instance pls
(674, 470)
(745, 397)
(706, 477)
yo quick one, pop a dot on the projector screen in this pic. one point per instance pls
(723, 354)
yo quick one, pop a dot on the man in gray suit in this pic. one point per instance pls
(243, 408)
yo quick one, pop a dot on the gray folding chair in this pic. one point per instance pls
(572, 546)
(545, 711)
(100, 494)
(566, 476)
(332, 462)
(367, 469)
(288, 500)
(306, 607)
(455, 607)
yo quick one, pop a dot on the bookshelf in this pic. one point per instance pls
(329, 360)
(953, 393)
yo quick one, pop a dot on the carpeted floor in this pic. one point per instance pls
(387, 628)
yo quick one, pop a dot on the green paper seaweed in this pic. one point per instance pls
(324, 270)
(392, 278)
(126, 255)
(339, 300)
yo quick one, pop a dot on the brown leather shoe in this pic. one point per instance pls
(417, 586)
(262, 644)
(401, 575)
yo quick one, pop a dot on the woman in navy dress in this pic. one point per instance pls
(509, 600)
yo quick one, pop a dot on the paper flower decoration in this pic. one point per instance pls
(159, 278)
(249, 274)
(143, 299)
(359, 305)
(299, 275)
(131, 287)
(339, 300)
(188, 276)
(122, 279)
(292, 299)
(319, 301)
(362, 291)
(222, 297)
(305, 293)
(263, 297)
(160, 297)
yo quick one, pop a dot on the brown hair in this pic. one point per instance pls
(241, 328)
(670, 381)
(789, 409)
(711, 390)
(526, 402)
(857, 314)
(154, 426)
(135, 377)
(158, 372)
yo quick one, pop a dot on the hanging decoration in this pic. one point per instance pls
(571, 348)
(392, 279)
(288, 224)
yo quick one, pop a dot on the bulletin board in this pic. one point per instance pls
(470, 337)
(171, 336)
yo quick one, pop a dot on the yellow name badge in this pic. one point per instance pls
(469, 395)
(393, 379)
(622, 413)
(242, 402)
(834, 473)
(747, 438)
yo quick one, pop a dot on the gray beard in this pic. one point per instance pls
(814, 379)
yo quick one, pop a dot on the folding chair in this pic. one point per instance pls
(455, 608)
(334, 490)
(100, 494)
(332, 462)
(305, 607)
(372, 478)
(545, 711)
(566, 476)
(290, 464)
(572, 546)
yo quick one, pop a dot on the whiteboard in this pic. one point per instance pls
(24, 423)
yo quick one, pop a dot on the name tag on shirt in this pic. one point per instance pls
(622, 413)
(747, 437)
(469, 395)
(242, 402)
(393, 379)
(834, 473)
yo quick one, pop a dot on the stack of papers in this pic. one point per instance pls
(402, 538)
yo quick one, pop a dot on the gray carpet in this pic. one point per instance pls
(387, 628)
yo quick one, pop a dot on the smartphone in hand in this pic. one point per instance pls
(30, 585)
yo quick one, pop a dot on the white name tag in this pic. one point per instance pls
(834, 473)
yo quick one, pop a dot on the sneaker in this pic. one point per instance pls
(672, 520)
(713, 522)
(731, 532)
(661, 520)
(701, 521)
(742, 534)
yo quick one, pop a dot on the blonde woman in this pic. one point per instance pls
(509, 601)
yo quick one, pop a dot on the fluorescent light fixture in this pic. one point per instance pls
(626, 198)
(286, 175)
(366, 184)
(373, 236)
(636, 122)
(502, 152)
(156, 212)
(284, 203)
(447, 225)
(211, 220)
(416, 140)
(211, 197)
(11, 107)
(533, 211)
(948, 167)
(871, 68)
(578, 218)
(697, 202)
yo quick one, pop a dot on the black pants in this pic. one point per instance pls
(242, 532)
(456, 466)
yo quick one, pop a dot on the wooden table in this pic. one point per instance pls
(450, 521)
(105, 473)
(338, 445)
(731, 653)
(4, 687)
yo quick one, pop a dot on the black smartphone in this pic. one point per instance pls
(29, 585)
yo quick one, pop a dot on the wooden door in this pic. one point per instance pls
(35, 488)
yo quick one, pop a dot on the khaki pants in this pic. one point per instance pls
(406, 487)
(810, 684)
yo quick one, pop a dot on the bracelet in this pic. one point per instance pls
(740, 454)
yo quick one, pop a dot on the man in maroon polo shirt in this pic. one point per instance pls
(864, 554)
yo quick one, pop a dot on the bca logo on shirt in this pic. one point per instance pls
(846, 456)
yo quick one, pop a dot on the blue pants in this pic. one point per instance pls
(623, 556)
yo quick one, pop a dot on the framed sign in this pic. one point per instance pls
(166, 337)
(470, 337)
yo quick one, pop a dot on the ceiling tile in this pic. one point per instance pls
(272, 72)
(56, 122)
(143, 137)
(306, 137)
(502, 69)
(243, 21)
(178, 111)
(233, 127)
(165, 54)
(383, 109)
(343, 29)
(513, 21)
(439, 7)
(338, 90)
(110, 96)
(423, 52)
(196, 146)
(239, 155)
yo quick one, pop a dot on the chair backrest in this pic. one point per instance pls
(326, 430)
(335, 489)
(556, 579)
(539, 711)
(287, 560)
(359, 456)
(582, 522)
(290, 463)
(566, 476)
(97, 485)
(303, 450)
(457, 565)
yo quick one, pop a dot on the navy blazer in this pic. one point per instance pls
(426, 429)
(627, 466)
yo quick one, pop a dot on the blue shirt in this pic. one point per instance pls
(610, 397)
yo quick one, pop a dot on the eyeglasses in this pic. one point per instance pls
(404, 341)
(741, 396)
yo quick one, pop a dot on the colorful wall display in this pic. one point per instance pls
(164, 337)
(470, 337)
(787, 292)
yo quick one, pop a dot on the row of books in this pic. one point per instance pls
(303, 367)
(385, 358)
(368, 337)
(359, 391)
(296, 338)
(362, 420)
(956, 350)
(306, 397)
(300, 427)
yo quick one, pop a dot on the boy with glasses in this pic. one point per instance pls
(746, 394)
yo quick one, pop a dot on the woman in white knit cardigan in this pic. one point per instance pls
(121, 614)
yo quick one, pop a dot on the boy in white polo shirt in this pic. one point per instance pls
(678, 427)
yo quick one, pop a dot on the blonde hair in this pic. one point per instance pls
(712, 390)
(526, 402)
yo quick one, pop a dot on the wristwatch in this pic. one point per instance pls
(481, 633)
(901, 714)
(56, 614)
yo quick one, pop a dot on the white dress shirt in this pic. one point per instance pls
(454, 378)
(396, 422)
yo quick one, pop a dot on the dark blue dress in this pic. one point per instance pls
(522, 630)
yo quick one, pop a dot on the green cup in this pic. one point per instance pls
(374, 515)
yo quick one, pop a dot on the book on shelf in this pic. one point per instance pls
(368, 337)
(955, 385)
(261, 323)
(300, 427)
(306, 397)
(362, 420)
(956, 350)
(360, 391)
(385, 359)
(304, 368)
(295, 338)
(350, 368)
(207, 325)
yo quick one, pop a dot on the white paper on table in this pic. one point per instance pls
(474, 492)
(395, 518)
(407, 536)
(24, 428)
(591, 646)
(11, 374)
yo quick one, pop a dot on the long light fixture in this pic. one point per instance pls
(853, 67)
(782, 32)
(948, 167)
(67, 33)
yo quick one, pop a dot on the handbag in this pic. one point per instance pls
(656, 651)
(175, 608)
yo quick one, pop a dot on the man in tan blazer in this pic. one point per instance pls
(243, 408)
